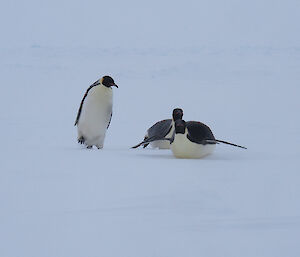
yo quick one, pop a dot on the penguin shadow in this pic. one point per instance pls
(167, 155)
(221, 156)
(156, 153)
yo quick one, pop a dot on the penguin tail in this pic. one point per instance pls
(216, 141)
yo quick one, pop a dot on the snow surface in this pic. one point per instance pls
(233, 65)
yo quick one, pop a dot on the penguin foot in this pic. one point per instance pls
(81, 140)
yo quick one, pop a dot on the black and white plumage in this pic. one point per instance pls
(160, 130)
(193, 140)
(95, 113)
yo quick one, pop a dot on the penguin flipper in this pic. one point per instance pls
(145, 145)
(149, 140)
(82, 102)
(216, 141)
(143, 142)
(109, 120)
(138, 145)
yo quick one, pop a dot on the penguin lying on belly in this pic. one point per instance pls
(160, 130)
(194, 140)
(191, 140)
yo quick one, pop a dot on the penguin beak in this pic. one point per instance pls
(114, 85)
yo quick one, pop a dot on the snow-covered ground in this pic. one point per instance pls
(58, 199)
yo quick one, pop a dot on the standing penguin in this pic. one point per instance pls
(160, 130)
(193, 140)
(95, 112)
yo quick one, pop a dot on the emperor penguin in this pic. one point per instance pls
(194, 140)
(95, 113)
(191, 139)
(161, 129)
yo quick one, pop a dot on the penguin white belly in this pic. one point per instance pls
(95, 116)
(182, 147)
(163, 144)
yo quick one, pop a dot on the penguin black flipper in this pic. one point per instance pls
(138, 145)
(199, 133)
(82, 101)
(224, 142)
(147, 140)
(145, 145)
(151, 139)
(109, 120)
(156, 132)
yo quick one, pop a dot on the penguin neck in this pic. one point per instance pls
(180, 145)
(182, 135)
(101, 95)
(103, 90)
(180, 138)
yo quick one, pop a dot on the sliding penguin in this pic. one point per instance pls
(161, 129)
(95, 112)
(191, 139)
(194, 140)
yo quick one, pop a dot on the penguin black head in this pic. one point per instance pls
(180, 126)
(107, 81)
(177, 114)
